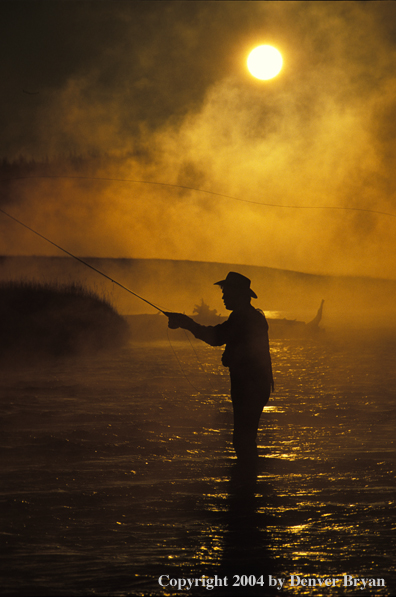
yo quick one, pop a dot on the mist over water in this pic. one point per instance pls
(103, 213)
(361, 303)
(162, 94)
(119, 469)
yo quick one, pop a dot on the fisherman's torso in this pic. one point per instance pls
(245, 335)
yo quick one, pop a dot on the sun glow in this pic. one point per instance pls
(264, 62)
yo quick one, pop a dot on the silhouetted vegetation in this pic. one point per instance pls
(49, 321)
(204, 314)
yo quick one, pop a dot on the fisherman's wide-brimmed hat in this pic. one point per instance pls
(237, 281)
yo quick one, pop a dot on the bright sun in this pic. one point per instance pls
(264, 62)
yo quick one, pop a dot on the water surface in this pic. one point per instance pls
(118, 470)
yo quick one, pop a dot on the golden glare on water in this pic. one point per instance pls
(264, 62)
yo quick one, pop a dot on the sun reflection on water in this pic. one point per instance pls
(323, 499)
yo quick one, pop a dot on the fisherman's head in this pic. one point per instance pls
(237, 293)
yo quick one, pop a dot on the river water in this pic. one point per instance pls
(118, 474)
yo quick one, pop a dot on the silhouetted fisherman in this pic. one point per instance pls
(247, 355)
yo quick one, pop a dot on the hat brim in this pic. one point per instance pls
(223, 283)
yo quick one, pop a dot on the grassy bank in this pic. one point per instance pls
(54, 321)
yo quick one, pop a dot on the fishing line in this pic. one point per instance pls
(199, 362)
(178, 186)
(178, 360)
(82, 261)
(165, 184)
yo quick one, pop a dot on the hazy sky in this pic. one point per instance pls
(162, 88)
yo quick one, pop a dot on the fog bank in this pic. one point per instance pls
(180, 285)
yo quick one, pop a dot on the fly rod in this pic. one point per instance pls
(84, 262)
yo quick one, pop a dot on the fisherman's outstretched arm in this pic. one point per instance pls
(213, 335)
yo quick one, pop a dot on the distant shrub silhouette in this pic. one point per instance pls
(40, 320)
(205, 315)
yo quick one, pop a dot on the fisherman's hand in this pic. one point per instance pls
(178, 320)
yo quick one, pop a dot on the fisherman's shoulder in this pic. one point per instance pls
(257, 316)
(251, 315)
(259, 313)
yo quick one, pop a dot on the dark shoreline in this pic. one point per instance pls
(176, 285)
